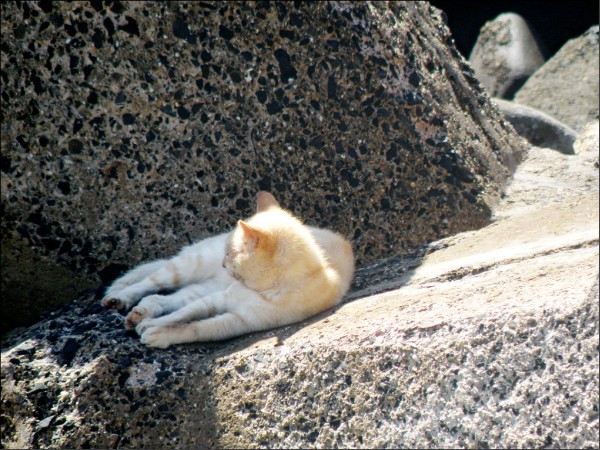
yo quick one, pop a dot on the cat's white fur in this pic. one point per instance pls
(271, 270)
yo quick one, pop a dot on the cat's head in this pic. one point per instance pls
(250, 253)
(251, 247)
(265, 247)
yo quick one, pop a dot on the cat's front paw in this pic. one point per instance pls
(158, 337)
(114, 302)
(145, 325)
(135, 316)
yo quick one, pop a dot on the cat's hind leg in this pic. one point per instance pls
(222, 326)
(156, 305)
(235, 311)
(111, 297)
(198, 308)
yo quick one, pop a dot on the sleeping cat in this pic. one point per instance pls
(271, 270)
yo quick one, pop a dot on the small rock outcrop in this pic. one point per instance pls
(538, 127)
(131, 129)
(505, 54)
(566, 87)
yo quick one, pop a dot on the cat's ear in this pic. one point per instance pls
(247, 229)
(259, 237)
(265, 201)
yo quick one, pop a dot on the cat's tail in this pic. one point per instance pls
(339, 255)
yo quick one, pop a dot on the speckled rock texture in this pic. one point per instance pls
(566, 87)
(130, 129)
(505, 54)
(486, 339)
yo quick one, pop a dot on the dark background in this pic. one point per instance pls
(554, 22)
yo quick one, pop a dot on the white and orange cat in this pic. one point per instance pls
(271, 270)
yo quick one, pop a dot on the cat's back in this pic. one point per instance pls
(339, 254)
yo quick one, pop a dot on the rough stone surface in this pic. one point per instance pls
(130, 129)
(505, 54)
(537, 127)
(566, 87)
(489, 339)
(552, 177)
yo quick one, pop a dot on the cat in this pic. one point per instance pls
(270, 271)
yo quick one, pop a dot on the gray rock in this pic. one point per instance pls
(537, 127)
(505, 54)
(566, 87)
(132, 129)
(549, 178)
(491, 340)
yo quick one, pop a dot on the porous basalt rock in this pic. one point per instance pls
(131, 129)
(566, 86)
